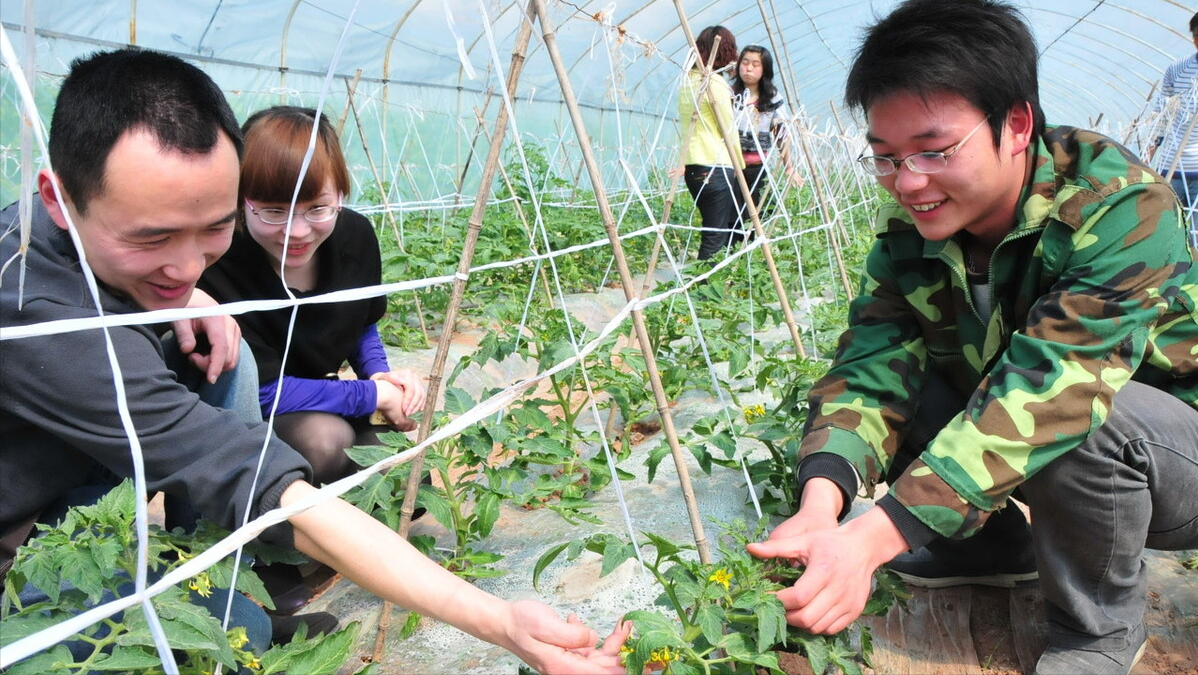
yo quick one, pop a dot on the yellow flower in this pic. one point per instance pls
(201, 584)
(254, 664)
(663, 656)
(721, 576)
(238, 638)
(754, 413)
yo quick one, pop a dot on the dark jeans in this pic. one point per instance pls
(1129, 486)
(755, 178)
(714, 189)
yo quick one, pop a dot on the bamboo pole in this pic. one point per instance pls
(350, 89)
(478, 130)
(818, 184)
(455, 301)
(626, 281)
(667, 207)
(731, 142)
(507, 182)
(386, 206)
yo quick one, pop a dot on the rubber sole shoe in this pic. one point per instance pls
(924, 569)
(1061, 661)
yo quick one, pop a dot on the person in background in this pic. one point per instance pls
(319, 247)
(1025, 329)
(1176, 151)
(760, 114)
(145, 163)
(709, 168)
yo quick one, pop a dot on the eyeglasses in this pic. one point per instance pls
(919, 162)
(275, 216)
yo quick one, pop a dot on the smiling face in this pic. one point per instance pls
(750, 68)
(161, 219)
(978, 190)
(299, 253)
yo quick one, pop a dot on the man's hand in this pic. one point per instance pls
(222, 332)
(542, 640)
(840, 564)
(412, 391)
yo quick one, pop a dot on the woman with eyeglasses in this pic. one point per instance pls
(318, 247)
(708, 171)
(760, 114)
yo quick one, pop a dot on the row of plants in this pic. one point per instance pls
(535, 455)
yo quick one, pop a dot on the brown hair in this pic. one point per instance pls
(276, 140)
(727, 51)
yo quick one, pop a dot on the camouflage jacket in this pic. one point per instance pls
(1094, 286)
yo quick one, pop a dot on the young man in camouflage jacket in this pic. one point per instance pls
(1027, 327)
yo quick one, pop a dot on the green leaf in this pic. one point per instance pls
(614, 556)
(127, 658)
(437, 505)
(188, 627)
(711, 620)
(368, 455)
(666, 549)
(546, 559)
(409, 627)
(457, 401)
(53, 662)
(322, 654)
(654, 458)
(816, 650)
(682, 668)
(248, 582)
(736, 646)
(486, 512)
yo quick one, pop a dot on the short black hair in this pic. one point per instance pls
(107, 94)
(981, 50)
(1194, 23)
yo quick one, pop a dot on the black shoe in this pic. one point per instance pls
(1065, 661)
(999, 555)
(925, 569)
(286, 587)
(283, 628)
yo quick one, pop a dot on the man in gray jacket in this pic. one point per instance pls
(145, 153)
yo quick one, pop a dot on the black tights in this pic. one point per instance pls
(322, 439)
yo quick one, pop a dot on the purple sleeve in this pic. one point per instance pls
(348, 398)
(370, 357)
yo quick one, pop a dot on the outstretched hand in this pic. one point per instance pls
(839, 563)
(549, 645)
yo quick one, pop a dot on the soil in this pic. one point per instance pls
(990, 628)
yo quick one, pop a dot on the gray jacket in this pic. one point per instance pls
(58, 407)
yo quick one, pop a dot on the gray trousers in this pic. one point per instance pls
(1132, 485)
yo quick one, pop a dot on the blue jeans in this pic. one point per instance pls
(235, 390)
(1185, 184)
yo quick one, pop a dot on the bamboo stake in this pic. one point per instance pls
(351, 88)
(455, 301)
(731, 142)
(818, 185)
(507, 182)
(626, 281)
(478, 130)
(386, 206)
(667, 206)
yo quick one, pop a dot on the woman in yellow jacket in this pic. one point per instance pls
(709, 171)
